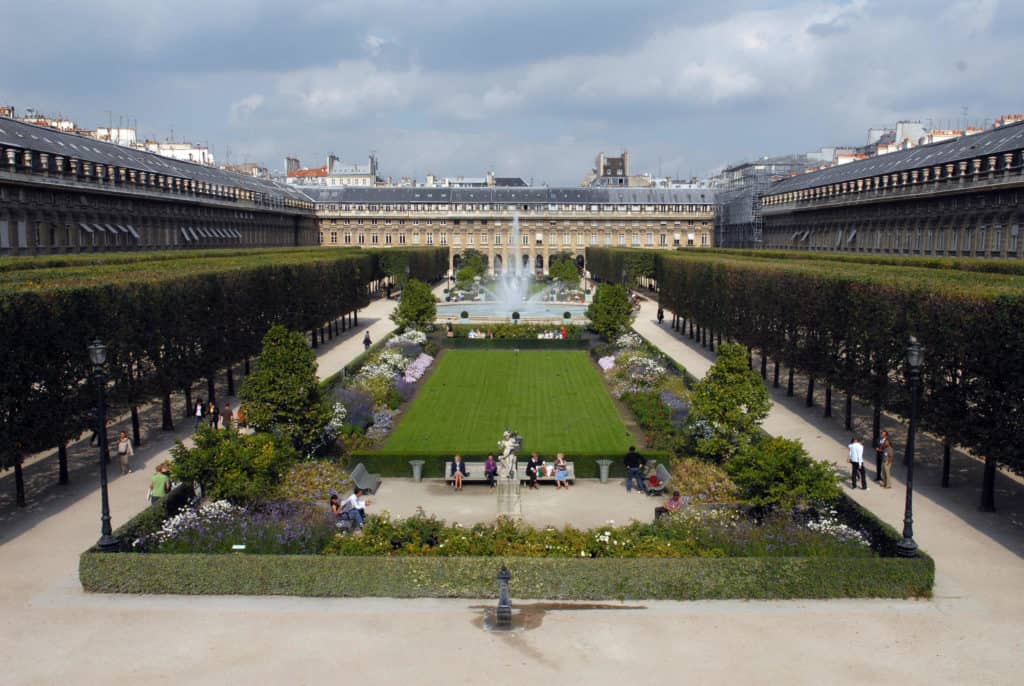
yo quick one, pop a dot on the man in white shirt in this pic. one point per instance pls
(355, 507)
(857, 463)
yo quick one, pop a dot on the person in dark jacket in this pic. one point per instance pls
(635, 463)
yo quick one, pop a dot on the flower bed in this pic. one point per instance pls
(776, 562)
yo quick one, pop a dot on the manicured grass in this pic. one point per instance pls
(554, 399)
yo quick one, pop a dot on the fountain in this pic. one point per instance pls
(510, 293)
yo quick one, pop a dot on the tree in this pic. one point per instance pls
(779, 472)
(282, 395)
(565, 271)
(610, 312)
(417, 308)
(231, 466)
(727, 405)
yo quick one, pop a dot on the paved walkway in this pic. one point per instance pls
(969, 634)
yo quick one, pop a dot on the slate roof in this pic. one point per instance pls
(995, 141)
(513, 195)
(18, 134)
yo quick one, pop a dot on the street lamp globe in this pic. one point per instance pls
(97, 353)
(915, 354)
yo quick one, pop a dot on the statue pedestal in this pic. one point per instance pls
(510, 503)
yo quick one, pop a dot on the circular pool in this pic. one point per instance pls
(492, 311)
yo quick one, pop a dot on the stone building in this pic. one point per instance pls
(961, 197)
(62, 193)
(550, 220)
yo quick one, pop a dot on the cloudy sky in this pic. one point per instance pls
(527, 88)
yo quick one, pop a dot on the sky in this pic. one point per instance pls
(527, 88)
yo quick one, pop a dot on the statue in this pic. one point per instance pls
(508, 444)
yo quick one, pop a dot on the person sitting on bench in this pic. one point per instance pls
(671, 505)
(490, 469)
(354, 507)
(458, 471)
(532, 466)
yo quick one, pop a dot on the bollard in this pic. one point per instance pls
(504, 613)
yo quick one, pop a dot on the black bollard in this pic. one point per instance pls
(503, 616)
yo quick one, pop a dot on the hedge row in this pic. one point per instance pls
(166, 323)
(513, 344)
(549, 578)
(969, 264)
(848, 327)
(397, 464)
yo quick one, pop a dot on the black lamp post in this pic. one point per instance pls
(98, 357)
(915, 357)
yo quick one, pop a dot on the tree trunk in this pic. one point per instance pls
(876, 424)
(848, 420)
(167, 421)
(809, 400)
(211, 389)
(19, 482)
(330, 332)
(946, 450)
(828, 399)
(775, 379)
(719, 338)
(750, 357)
(136, 434)
(231, 381)
(764, 365)
(245, 366)
(189, 406)
(62, 459)
(355, 318)
(711, 341)
(789, 386)
(312, 337)
(988, 486)
(344, 326)
(691, 328)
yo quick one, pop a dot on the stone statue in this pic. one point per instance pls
(508, 444)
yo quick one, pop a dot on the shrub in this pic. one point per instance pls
(311, 482)
(515, 315)
(282, 394)
(779, 472)
(567, 315)
(727, 405)
(228, 465)
(610, 312)
(650, 412)
(417, 308)
(464, 314)
(702, 481)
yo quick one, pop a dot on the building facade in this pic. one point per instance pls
(549, 221)
(961, 197)
(64, 193)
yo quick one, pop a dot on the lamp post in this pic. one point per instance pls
(915, 357)
(98, 357)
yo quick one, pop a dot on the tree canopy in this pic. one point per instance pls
(610, 312)
(417, 307)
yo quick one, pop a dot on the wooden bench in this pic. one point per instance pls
(476, 473)
(368, 483)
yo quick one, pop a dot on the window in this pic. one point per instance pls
(593, 239)
(387, 239)
(469, 239)
(526, 239)
(401, 238)
(497, 238)
(348, 238)
(444, 238)
(457, 239)
(361, 238)
(663, 240)
(635, 239)
(704, 239)
(334, 237)
(373, 239)
(539, 238)
(430, 238)
(415, 237)
(650, 239)
(622, 239)
(689, 240)
(579, 239)
(607, 239)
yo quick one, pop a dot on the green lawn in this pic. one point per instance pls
(554, 399)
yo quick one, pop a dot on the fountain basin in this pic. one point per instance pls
(533, 312)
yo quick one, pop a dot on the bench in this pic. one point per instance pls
(476, 473)
(368, 483)
(664, 476)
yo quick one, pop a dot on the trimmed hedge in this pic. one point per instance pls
(551, 578)
(397, 464)
(511, 344)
